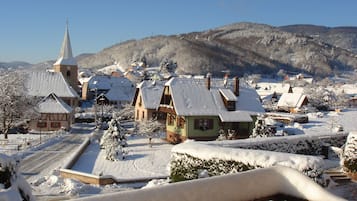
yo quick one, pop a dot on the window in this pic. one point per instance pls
(143, 114)
(55, 124)
(170, 119)
(68, 73)
(43, 116)
(41, 124)
(203, 124)
(180, 122)
(140, 101)
(137, 114)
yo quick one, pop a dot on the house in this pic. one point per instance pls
(40, 84)
(117, 90)
(147, 100)
(291, 101)
(54, 113)
(198, 109)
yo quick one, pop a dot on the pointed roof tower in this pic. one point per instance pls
(66, 57)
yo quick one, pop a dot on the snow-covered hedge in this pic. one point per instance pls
(300, 144)
(350, 153)
(191, 160)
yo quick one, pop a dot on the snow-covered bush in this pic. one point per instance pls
(12, 184)
(300, 144)
(350, 153)
(113, 141)
(189, 159)
(261, 129)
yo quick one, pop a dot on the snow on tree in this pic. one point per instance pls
(15, 105)
(150, 129)
(261, 129)
(125, 113)
(13, 185)
(113, 141)
(350, 153)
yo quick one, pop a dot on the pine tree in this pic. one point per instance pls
(113, 141)
(261, 129)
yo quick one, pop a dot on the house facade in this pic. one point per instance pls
(146, 101)
(198, 109)
(55, 114)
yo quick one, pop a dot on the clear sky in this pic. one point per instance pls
(32, 30)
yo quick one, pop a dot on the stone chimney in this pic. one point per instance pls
(208, 81)
(236, 86)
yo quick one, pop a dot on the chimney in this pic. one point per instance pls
(236, 86)
(208, 81)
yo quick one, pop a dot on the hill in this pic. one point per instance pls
(240, 48)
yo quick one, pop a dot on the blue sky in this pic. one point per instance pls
(32, 30)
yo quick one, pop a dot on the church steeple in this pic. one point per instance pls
(66, 63)
(66, 57)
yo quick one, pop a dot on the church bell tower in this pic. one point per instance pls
(66, 63)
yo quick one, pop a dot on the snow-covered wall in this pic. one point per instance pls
(250, 185)
(191, 160)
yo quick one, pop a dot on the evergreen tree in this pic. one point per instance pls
(113, 141)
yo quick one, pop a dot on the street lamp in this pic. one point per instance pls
(101, 101)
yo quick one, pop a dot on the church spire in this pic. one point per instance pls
(66, 57)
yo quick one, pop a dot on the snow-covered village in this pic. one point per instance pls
(137, 121)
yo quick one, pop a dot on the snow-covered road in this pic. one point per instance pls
(41, 162)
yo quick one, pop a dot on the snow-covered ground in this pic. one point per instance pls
(141, 161)
(144, 161)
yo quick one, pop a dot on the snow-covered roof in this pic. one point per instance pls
(41, 84)
(53, 104)
(235, 116)
(120, 93)
(151, 92)
(228, 94)
(294, 100)
(249, 100)
(191, 98)
(106, 82)
(66, 57)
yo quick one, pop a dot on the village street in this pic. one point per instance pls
(45, 159)
(41, 162)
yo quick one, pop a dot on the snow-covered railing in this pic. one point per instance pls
(299, 144)
(191, 160)
(250, 185)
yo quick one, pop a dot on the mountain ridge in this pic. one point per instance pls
(239, 48)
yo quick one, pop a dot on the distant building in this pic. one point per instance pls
(55, 114)
(292, 101)
(66, 63)
(41, 84)
(147, 100)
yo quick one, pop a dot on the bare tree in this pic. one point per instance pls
(150, 129)
(15, 105)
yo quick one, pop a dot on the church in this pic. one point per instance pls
(58, 89)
